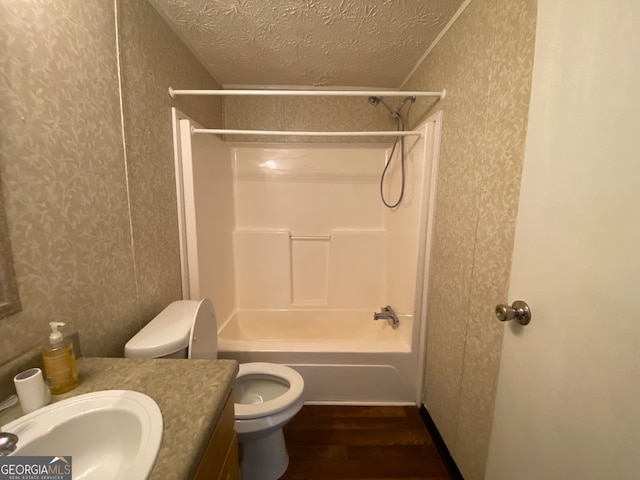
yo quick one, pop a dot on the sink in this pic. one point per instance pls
(111, 434)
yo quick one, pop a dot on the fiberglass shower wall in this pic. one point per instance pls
(312, 233)
(309, 230)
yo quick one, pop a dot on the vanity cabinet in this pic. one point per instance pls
(220, 458)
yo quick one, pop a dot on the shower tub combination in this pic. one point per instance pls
(296, 251)
(344, 356)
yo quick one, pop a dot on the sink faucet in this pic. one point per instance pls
(389, 315)
(8, 441)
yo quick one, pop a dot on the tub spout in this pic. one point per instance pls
(389, 315)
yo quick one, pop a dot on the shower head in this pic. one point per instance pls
(377, 100)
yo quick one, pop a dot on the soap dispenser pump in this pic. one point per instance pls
(59, 362)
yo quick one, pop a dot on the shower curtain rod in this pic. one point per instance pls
(311, 93)
(223, 131)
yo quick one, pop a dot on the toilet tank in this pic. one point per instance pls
(170, 333)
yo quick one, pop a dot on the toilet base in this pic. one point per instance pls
(264, 458)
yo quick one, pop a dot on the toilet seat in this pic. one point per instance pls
(270, 407)
(203, 336)
(203, 343)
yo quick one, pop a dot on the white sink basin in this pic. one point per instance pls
(112, 434)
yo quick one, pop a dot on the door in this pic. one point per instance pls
(568, 399)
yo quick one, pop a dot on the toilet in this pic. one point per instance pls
(266, 395)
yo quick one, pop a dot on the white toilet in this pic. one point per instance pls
(266, 395)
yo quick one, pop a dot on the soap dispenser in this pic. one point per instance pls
(59, 362)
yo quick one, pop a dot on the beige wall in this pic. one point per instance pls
(63, 167)
(306, 114)
(485, 62)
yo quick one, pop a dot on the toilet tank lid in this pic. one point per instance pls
(165, 334)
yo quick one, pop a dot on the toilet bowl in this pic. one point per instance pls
(266, 395)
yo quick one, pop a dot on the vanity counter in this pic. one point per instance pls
(190, 393)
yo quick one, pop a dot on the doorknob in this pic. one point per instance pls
(518, 310)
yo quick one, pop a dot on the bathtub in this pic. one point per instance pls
(344, 356)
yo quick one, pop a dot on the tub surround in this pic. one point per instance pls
(190, 406)
(311, 232)
(315, 253)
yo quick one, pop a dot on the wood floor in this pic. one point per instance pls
(339, 442)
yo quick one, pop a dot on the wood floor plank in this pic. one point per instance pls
(413, 415)
(446, 477)
(311, 469)
(318, 452)
(316, 411)
(356, 437)
(346, 423)
(359, 443)
(408, 467)
(392, 452)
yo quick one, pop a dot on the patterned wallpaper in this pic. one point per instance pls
(306, 114)
(63, 170)
(485, 61)
(152, 59)
(63, 175)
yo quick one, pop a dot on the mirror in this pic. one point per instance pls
(9, 295)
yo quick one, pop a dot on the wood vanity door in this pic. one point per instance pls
(220, 459)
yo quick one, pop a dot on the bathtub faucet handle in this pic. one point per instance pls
(387, 313)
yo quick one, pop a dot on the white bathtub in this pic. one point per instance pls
(344, 356)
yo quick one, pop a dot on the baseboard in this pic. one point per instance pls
(447, 459)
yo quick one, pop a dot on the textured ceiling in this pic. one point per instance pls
(358, 43)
